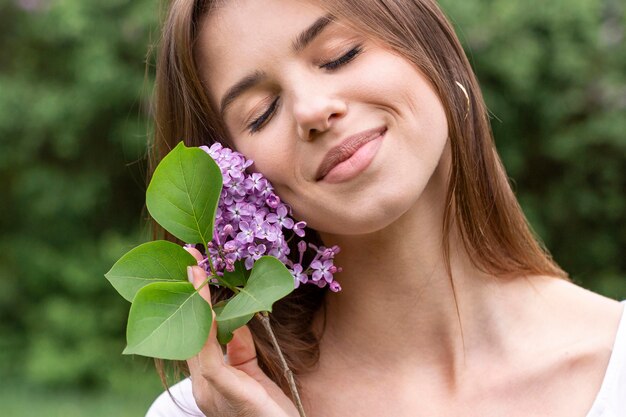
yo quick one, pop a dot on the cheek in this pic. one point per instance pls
(277, 163)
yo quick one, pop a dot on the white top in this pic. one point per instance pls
(610, 401)
(163, 406)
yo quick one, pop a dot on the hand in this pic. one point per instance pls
(236, 388)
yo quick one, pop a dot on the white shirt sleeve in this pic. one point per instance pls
(180, 404)
(611, 400)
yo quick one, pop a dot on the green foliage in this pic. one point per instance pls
(72, 141)
(554, 78)
(269, 281)
(236, 278)
(228, 326)
(168, 320)
(148, 263)
(183, 194)
(22, 401)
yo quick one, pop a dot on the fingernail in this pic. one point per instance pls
(190, 274)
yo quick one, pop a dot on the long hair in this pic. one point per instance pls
(479, 198)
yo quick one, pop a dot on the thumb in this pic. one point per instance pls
(240, 350)
(241, 355)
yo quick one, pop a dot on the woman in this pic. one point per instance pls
(367, 119)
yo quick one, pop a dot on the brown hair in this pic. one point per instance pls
(479, 199)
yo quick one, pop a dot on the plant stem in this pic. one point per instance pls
(208, 279)
(265, 320)
(208, 258)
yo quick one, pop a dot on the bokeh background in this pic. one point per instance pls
(75, 82)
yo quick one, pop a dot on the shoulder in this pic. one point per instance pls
(178, 402)
(590, 315)
(574, 330)
(583, 341)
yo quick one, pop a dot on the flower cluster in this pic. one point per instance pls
(251, 221)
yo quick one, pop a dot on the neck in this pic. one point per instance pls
(400, 309)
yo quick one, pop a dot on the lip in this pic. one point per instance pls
(346, 149)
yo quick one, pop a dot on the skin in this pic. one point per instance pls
(393, 344)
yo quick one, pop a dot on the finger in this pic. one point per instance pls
(194, 252)
(210, 360)
(242, 356)
(210, 357)
(240, 350)
(197, 276)
(212, 380)
(209, 363)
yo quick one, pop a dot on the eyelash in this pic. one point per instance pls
(349, 56)
(258, 123)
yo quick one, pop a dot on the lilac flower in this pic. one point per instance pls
(281, 217)
(255, 252)
(298, 228)
(237, 211)
(321, 269)
(298, 275)
(247, 233)
(251, 221)
(255, 182)
(267, 231)
(273, 201)
(280, 251)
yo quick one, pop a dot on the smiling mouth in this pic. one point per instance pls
(346, 149)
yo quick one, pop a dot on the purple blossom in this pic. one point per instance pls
(298, 228)
(281, 217)
(321, 269)
(247, 233)
(254, 253)
(273, 201)
(267, 231)
(237, 212)
(251, 221)
(298, 275)
(335, 286)
(255, 182)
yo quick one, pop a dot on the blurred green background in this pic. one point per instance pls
(74, 100)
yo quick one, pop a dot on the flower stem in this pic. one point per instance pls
(208, 258)
(265, 320)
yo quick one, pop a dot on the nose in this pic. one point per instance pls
(315, 113)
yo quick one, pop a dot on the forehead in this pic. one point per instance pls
(241, 36)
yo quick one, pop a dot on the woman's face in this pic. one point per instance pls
(304, 97)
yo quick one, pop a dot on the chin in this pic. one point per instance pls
(365, 211)
(366, 219)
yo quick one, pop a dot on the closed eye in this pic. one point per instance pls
(257, 124)
(349, 56)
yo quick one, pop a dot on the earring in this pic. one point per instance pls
(466, 96)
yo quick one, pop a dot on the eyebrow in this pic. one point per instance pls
(302, 41)
(310, 33)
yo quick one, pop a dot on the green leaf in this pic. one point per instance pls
(238, 277)
(151, 262)
(168, 320)
(269, 281)
(183, 194)
(225, 328)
